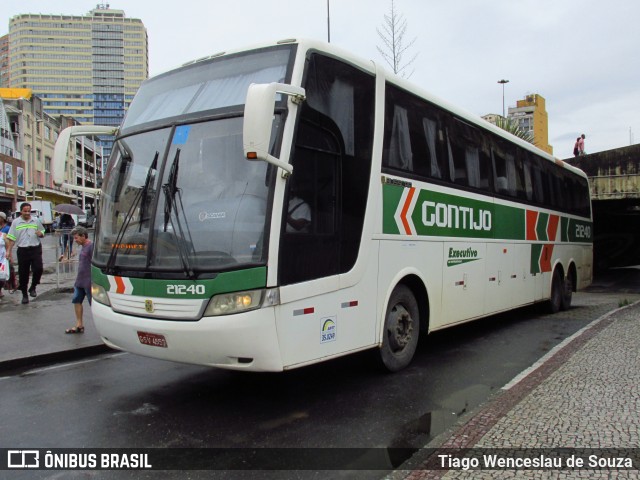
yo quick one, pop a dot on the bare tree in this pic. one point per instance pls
(393, 49)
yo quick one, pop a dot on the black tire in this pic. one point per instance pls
(567, 293)
(401, 330)
(554, 304)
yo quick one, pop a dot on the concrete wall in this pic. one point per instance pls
(614, 174)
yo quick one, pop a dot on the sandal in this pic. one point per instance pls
(74, 330)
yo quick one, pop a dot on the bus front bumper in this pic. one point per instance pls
(246, 341)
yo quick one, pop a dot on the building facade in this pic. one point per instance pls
(27, 139)
(84, 67)
(4, 61)
(531, 115)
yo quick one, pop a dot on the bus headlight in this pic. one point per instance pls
(99, 294)
(237, 302)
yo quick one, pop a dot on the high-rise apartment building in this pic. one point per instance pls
(4, 61)
(84, 67)
(531, 115)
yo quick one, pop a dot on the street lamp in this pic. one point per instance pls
(503, 81)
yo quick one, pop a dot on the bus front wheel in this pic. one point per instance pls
(401, 329)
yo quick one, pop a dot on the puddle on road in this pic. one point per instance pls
(419, 432)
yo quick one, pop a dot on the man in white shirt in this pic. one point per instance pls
(25, 233)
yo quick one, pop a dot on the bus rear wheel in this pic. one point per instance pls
(401, 330)
(567, 293)
(554, 305)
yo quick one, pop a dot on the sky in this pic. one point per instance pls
(582, 56)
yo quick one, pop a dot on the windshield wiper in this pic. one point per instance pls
(145, 189)
(171, 188)
(140, 194)
(173, 197)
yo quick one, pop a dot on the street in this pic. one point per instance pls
(121, 400)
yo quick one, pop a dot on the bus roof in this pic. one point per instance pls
(376, 69)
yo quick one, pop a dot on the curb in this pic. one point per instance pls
(48, 358)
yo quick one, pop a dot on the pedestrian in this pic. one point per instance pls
(66, 225)
(10, 284)
(576, 147)
(26, 232)
(581, 145)
(82, 285)
(4, 226)
(4, 229)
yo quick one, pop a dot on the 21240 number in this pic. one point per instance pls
(185, 289)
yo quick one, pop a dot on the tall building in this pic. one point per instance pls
(84, 67)
(531, 115)
(4, 61)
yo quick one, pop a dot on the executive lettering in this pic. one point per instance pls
(468, 253)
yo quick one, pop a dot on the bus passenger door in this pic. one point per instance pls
(331, 158)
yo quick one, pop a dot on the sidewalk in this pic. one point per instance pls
(34, 334)
(582, 395)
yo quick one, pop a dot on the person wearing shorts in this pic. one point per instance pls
(82, 285)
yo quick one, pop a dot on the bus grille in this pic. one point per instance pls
(155, 307)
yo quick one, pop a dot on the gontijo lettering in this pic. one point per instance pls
(454, 216)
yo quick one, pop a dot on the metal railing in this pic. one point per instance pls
(56, 260)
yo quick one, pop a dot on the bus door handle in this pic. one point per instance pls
(462, 283)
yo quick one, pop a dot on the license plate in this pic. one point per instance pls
(152, 339)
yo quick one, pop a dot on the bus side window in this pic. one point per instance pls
(538, 183)
(457, 156)
(400, 154)
(505, 172)
(430, 128)
(528, 180)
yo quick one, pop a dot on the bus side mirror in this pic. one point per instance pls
(258, 120)
(61, 150)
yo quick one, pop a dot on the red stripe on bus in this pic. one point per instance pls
(545, 257)
(120, 284)
(405, 209)
(552, 227)
(532, 220)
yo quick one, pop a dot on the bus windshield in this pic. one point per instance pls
(205, 86)
(183, 199)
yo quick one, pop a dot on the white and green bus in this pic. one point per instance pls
(416, 215)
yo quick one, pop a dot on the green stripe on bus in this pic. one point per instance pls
(510, 222)
(225, 282)
(391, 196)
(536, 251)
(541, 226)
(564, 229)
